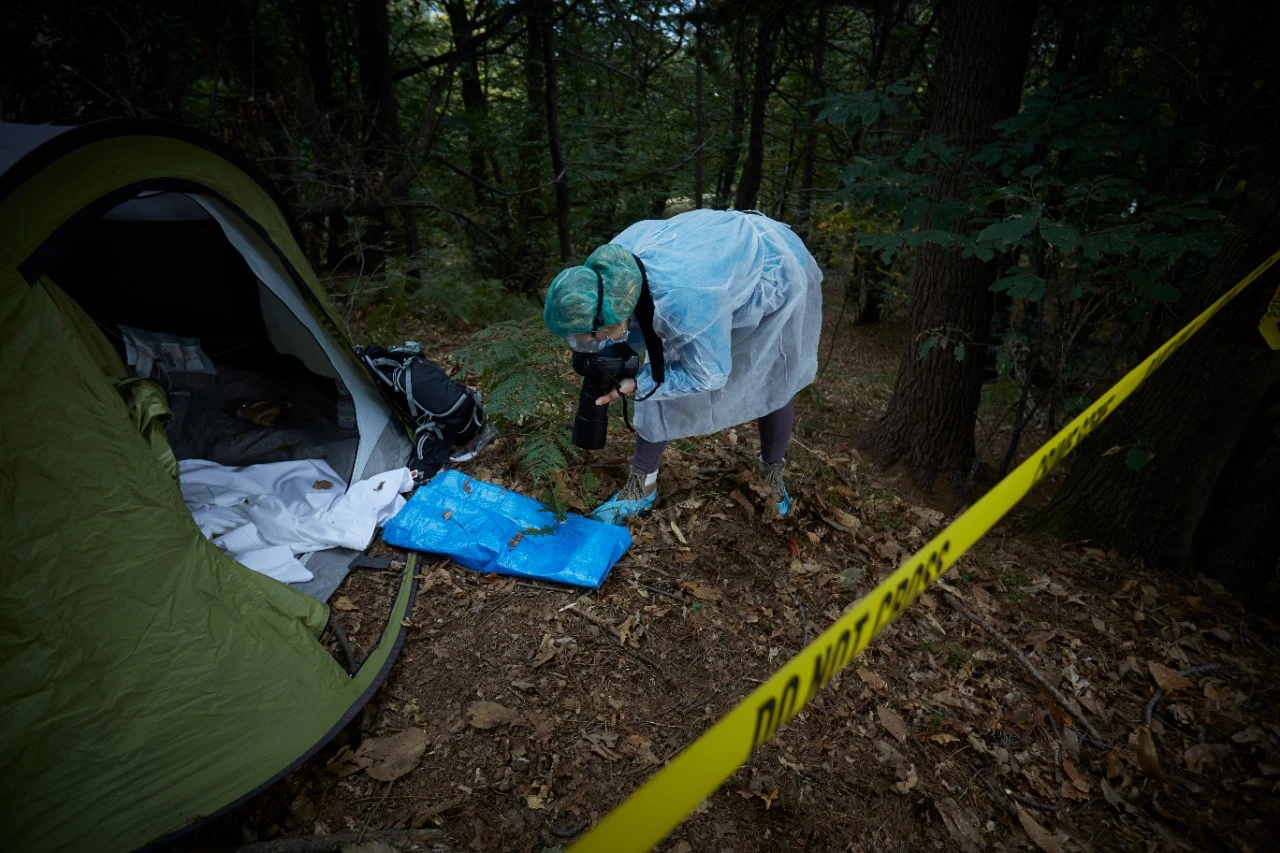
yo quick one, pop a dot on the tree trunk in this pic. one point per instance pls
(699, 114)
(753, 166)
(816, 89)
(931, 417)
(381, 128)
(737, 115)
(475, 106)
(1236, 542)
(553, 133)
(523, 237)
(314, 44)
(1201, 418)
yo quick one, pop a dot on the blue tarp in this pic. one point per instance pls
(492, 529)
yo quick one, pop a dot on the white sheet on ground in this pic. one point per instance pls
(265, 515)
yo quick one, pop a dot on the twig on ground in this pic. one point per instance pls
(542, 587)
(1052, 722)
(804, 620)
(1034, 803)
(369, 815)
(608, 628)
(677, 596)
(1151, 706)
(324, 843)
(954, 600)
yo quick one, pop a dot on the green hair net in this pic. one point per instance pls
(571, 300)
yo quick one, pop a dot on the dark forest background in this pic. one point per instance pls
(1041, 193)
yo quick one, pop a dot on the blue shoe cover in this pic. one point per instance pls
(784, 505)
(614, 511)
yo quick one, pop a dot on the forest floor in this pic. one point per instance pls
(536, 709)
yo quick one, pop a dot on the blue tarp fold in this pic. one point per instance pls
(491, 529)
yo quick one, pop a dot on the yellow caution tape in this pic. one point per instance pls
(649, 814)
(1270, 324)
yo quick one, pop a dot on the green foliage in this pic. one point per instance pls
(947, 337)
(524, 373)
(1137, 457)
(1069, 195)
(1086, 204)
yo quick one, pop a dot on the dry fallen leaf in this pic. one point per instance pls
(322, 485)
(346, 762)
(944, 738)
(395, 755)
(1113, 766)
(890, 550)
(909, 780)
(1077, 780)
(448, 514)
(873, 681)
(343, 603)
(1167, 679)
(679, 535)
(1111, 796)
(961, 825)
(1037, 833)
(702, 591)
(1148, 759)
(1198, 755)
(488, 715)
(303, 809)
(892, 722)
(423, 815)
(546, 651)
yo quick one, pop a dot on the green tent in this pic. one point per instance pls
(148, 681)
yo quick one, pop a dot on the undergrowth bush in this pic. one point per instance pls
(529, 386)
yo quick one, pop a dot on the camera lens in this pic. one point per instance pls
(592, 422)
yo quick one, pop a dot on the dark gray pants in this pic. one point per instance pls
(775, 433)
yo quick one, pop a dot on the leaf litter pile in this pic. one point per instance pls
(1042, 696)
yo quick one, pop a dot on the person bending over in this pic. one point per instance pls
(727, 306)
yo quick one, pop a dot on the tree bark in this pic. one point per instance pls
(553, 132)
(474, 104)
(810, 153)
(753, 166)
(1202, 419)
(737, 115)
(313, 40)
(1236, 543)
(930, 421)
(381, 128)
(699, 112)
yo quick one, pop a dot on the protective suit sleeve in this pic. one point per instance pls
(702, 364)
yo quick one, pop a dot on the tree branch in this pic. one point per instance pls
(954, 600)
(417, 155)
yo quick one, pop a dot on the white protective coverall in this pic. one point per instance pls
(738, 306)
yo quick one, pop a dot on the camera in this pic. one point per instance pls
(601, 372)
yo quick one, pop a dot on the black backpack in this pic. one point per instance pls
(444, 413)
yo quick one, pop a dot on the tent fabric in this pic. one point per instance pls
(147, 680)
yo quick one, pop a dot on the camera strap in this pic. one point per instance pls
(653, 344)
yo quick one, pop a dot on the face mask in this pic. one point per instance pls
(590, 342)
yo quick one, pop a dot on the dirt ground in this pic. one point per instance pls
(536, 709)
